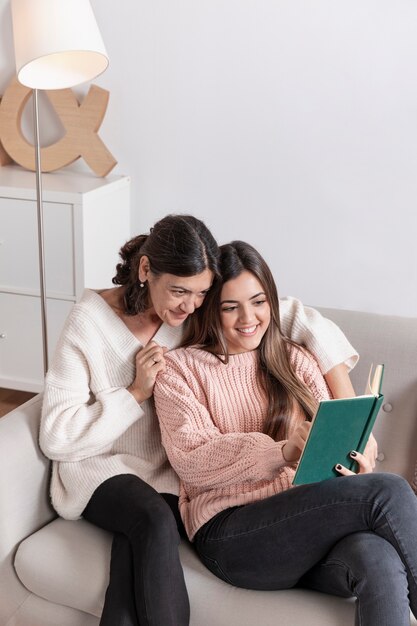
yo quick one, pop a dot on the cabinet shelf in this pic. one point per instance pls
(86, 221)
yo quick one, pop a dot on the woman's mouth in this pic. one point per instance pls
(248, 331)
(180, 315)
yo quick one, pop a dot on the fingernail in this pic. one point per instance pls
(338, 467)
(353, 453)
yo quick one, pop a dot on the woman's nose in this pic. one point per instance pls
(246, 315)
(188, 306)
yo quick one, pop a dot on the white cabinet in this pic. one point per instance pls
(86, 221)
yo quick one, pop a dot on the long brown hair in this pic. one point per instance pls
(283, 388)
(177, 244)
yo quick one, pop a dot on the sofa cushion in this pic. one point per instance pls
(67, 563)
(216, 603)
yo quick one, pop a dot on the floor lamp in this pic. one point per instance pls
(57, 45)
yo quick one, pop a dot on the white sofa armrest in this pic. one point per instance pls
(24, 500)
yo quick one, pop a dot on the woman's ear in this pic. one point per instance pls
(144, 269)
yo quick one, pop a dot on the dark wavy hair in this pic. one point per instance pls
(283, 388)
(177, 244)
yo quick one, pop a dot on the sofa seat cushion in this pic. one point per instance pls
(216, 603)
(67, 563)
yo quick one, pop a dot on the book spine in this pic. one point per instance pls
(370, 423)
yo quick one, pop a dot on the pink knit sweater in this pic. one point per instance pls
(211, 418)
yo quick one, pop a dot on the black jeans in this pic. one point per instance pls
(146, 586)
(348, 536)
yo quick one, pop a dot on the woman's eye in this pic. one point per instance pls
(259, 302)
(229, 308)
(178, 292)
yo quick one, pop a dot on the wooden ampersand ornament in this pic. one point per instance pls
(81, 122)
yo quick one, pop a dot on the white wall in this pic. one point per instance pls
(288, 123)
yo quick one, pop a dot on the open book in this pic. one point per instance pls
(339, 427)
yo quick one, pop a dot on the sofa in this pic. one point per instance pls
(54, 572)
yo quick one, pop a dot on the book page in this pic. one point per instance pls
(374, 384)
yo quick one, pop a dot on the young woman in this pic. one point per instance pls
(234, 413)
(99, 426)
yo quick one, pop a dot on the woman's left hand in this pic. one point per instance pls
(364, 463)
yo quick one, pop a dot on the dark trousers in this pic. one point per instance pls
(348, 536)
(146, 586)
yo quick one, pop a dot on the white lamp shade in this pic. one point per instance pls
(57, 43)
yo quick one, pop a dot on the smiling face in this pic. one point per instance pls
(174, 298)
(245, 313)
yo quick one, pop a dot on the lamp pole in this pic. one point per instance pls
(41, 245)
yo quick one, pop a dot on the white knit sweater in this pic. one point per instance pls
(92, 428)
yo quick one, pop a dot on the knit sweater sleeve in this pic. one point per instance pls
(322, 337)
(78, 422)
(200, 453)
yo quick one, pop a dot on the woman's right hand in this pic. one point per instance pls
(149, 362)
(293, 448)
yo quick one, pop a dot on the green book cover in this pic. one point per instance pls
(339, 427)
